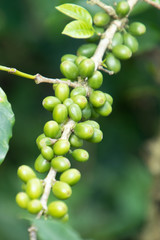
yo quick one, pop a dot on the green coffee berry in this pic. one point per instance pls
(61, 190)
(97, 98)
(22, 199)
(78, 91)
(75, 141)
(68, 57)
(113, 64)
(25, 173)
(65, 218)
(51, 129)
(117, 39)
(101, 19)
(69, 70)
(86, 112)
(34, 188)
(41, 165)
(71, 176)
(39, 138)
(57, 209)
(67, 102)
(137, 28)
(83, 131)
(34, 206)
(105, 110)
(61, 147)
(96, 80)
(122, 8)
(47, 153)
(50, 102)
(96, 36)
(79, 59)
(97, 136)
(80, 100)
(62, 91)
(93, 124)
(60, 113)
(44, 142)
(75, 112)
(87, 50)
(80, 155)
(130, 42)
(122, 52)
(86, 68)
(94, 114)
(109, 98)
(60, 164)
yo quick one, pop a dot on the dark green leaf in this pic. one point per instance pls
(55, 230)
(6, 124)
(76, 12)
(78, 29)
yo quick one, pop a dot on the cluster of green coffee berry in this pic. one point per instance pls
(78, 105)
(124, 42)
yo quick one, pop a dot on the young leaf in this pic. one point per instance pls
(55, 230)
(6, 124)
(78, 29)
(76, 12)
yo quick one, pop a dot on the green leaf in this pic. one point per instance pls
(6, 124)
(78, 29)
(76, 12)
(55, 230)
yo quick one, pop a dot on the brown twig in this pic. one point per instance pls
(154, 4)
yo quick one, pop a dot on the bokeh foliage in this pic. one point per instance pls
(111, 201)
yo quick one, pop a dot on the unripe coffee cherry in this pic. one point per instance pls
(96, 36)
(83, 131)
(41, 165)
(80, 100)
(86, 68)
(57, 209)
(96, 80)
(137, 28)
(60, 113)
(67, 102)
(113, 64)
(60, 164)
(75, 112)
(86, 112)
(61, 190)
(34, 206)
(105, 110)
(101, 19)
(44, 142)
(130, 42)
(22, 199)
(122, 8)
(75, 141)
(51, 129)
(25, 173)
(61, 147)
(47, 153)
(92, 123)
(79, 59)
(69, 70)
(80, 155)
(97, 98)
(62, 91)
(87, 50)
(109, 98)
(122, 52)
(94, 114)
(65, 218)
(78, 91)
(39, 138)
(50, 102)
(71, 176)
(97, 136)
(34, 188)
(68, 57)
(117, 39)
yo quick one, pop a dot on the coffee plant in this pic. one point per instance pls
(76, 104)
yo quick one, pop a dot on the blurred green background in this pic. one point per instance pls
(111, 201)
